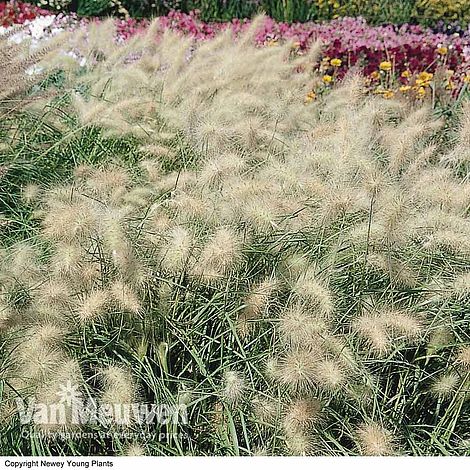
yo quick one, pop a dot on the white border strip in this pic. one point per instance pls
(234, 463)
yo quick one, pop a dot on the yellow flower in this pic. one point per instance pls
(442, 50)
(387, 94)
(327, 79)
(466, 79)
(311, 95)
(405, 88)
(425, 76)
(336, 62)
(271, 42)
(386, 66)
(424, 79)
(375, 75)
(421, 93)
(406, 74)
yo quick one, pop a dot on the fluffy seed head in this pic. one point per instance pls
(216, 170)
(271, 368)
(190, 208)
(441, 337)
(93, 305)
(297, 369)
(463, 357)
(445, 385)
(117, 244)
(119, 389)
(258, 298)
(299, 327)
(105, 182)
(67, 260)
(69, 221)
(330, 374)
(256, 303)
(381, 327)
(51, 392)
(54, 294)
(23, 263)
(31, 194)
(125, 297)
(38, 355)
(313, 291)
(461, 284)
(221, 253)
(374, 332)
(234, 386)
(402, 324)
(301, 415)
(266, 410)
(300, 443)
(176, 253)
(134, 450)
(153, 170)
(48, 334)
(374, 440)
(296, 264)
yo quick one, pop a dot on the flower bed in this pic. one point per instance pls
(350, 42)
(18, 13)
(405, 59)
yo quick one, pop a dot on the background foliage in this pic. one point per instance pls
(426, 12)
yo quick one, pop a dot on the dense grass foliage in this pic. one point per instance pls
(180, 226)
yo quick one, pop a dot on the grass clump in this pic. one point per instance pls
(295, 275)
